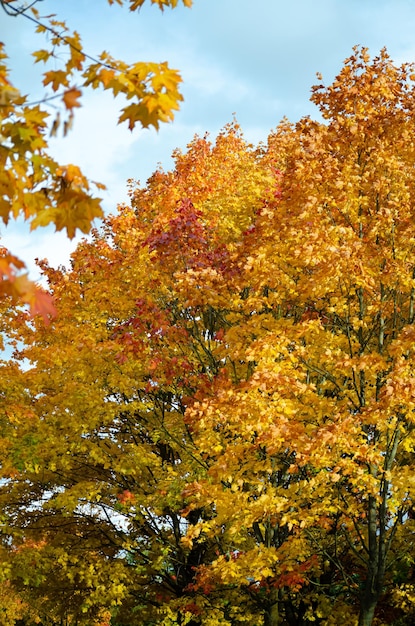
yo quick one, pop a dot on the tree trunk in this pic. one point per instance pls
(367, 612)
(272, 614)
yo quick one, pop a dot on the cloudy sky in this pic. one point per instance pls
(256, 59)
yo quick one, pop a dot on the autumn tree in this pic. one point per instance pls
(218, 426)
(35, 186)
(120, 454)
(316, 438)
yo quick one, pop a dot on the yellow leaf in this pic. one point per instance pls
(41, 55)
(57, 79)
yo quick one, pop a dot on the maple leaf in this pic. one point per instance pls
(41, 55)
(39, 301)
(57, 78)
(70, 98)
(9, 263)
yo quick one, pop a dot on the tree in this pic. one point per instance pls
(33, 184)
(117, 497)
(218, 426)
(329, 403)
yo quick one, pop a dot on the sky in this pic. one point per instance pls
(253, 59)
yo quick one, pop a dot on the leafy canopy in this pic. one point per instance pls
(218, 428)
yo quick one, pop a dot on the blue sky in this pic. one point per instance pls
(256, 59)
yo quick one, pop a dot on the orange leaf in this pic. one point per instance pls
(39, 301)
(70, 98)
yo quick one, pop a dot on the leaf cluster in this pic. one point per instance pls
(35, 186)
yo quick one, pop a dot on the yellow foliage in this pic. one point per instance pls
(219, 424)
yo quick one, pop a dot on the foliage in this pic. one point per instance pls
(33, 185)
(218, 426)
